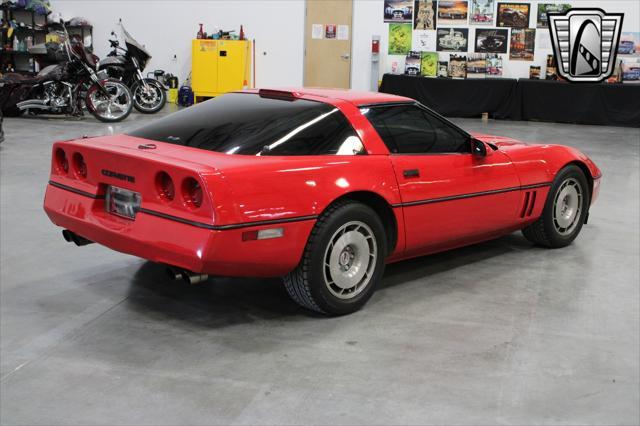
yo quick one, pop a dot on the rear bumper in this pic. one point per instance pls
(163, 240)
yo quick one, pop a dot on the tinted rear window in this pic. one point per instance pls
(252, 125)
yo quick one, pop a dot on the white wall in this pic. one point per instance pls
(167, 27)
(368, 21)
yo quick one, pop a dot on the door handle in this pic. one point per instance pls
(411, 173)
(345, 56)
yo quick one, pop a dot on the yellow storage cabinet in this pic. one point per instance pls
(219, 66)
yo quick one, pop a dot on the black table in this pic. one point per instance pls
(523, 99)
(456, 98)
(584, 103)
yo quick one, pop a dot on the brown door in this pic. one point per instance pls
(327, 41)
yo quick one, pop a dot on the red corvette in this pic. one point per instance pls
(322, 187)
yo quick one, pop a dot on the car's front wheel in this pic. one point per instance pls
(565, 210)
(343, 261)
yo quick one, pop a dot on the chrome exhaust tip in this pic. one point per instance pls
(72, 237)
(187, 276)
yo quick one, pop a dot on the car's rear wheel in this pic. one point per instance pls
(343, 261)
(564, 212)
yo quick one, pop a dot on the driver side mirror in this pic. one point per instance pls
(478, 148)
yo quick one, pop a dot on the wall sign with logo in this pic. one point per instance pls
(585, 43)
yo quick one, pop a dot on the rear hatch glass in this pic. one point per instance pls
(249, 124)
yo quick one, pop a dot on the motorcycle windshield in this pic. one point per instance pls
(131, 42)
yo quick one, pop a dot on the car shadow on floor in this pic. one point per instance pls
(223, 301)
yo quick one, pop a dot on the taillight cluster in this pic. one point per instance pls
(190, 190)
(61, 164)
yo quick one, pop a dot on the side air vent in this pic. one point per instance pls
(528, 204)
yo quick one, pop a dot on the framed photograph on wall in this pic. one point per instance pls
(492, 40)
(476, 65)
(412, 63)
(494, 65)
(398, 11)
(458, 66)
(425, 15)
(452, 39)
(515, 15)
(429, 64)
(543, 8)
(523, 42)
(399, 39)
(453, 12)
(481, 12)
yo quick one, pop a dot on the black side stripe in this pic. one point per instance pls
(192, 222)
(227, 227)
(76, 191)
(470, 195)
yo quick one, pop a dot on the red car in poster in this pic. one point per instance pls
(322, 187)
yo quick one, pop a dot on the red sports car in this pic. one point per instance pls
(322, 187)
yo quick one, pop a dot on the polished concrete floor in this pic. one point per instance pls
(498, 333)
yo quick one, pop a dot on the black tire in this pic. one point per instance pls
(307, 285)
(546, 231)
(141, 108)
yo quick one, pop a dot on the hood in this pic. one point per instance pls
(499, 141)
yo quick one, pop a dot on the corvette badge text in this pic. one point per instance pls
(117, 175)
(585, 43)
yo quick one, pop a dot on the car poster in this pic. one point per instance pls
(458, 66)
(399, 39)
(429, 64)
(493, 40)
(424, 40)
(452, 39)
(424, 15)
(476, 65)
(534, 72)
(452, 12)
(443, 69)
(398, 11)
(515, 15)
(412, 63)
(494, 65)
(523, 42)
(481, 12)
(551, 72)
(630, 70)
(629, 44)
(543, 8)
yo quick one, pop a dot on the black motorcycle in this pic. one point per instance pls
(65, 87)
(149, 95)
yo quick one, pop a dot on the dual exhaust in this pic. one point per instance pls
(174, 273)
(186, 276)
(72, 237)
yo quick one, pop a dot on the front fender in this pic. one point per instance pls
(151, 81)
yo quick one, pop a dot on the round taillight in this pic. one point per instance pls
(62, 163)
(191, 193)
(164, 186)
(79, 166)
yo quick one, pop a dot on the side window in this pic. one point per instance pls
(328, 134)
(408, 129)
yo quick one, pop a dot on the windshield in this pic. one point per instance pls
(249, 124)
(131, 41)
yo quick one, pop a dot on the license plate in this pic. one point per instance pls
(122, 202)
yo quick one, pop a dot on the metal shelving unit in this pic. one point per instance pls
(35, 27)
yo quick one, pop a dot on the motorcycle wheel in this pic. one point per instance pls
(110, 109)
(149, 99)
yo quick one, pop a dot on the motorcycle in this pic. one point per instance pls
(149, 95)
(65, 87)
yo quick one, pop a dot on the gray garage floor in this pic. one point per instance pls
(497, 333)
